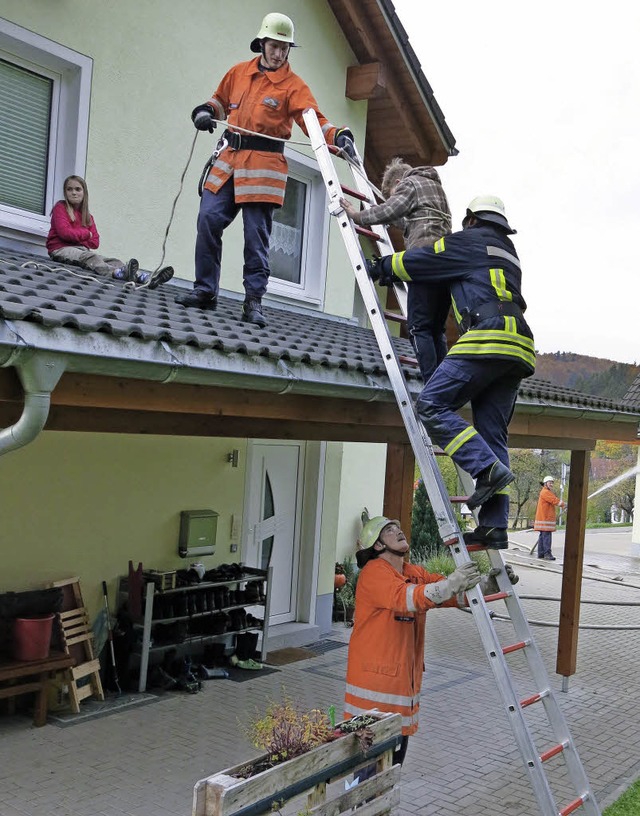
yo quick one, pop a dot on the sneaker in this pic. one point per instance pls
(493, 538)
(490, 481)
(197, 298)
(548, 557)
(252, 312)
(159, 277)
(127, 272)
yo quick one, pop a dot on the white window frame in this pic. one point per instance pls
(69, 124)
(315, 236)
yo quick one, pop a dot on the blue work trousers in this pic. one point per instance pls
(544, 543)
(491, 386)
(217, 211)
(427, 309)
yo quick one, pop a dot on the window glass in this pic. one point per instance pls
(25, 104)
(285, 250)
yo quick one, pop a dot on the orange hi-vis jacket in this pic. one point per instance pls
(386, 650)
(265, 102)
(545, 520)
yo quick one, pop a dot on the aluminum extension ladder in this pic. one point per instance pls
(450, 532)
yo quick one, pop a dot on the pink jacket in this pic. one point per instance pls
(66, 233)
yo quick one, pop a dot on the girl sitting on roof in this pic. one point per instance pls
(73, 239)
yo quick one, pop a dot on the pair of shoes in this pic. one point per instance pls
(548, 557)
(490, 481)
(252, 312)
(494, 538)
(127, 272)
(197, 298)
(251, 664)
(154, 279)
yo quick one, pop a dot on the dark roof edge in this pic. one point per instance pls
(398, 31)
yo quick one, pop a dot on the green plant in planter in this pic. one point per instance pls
(286, 730)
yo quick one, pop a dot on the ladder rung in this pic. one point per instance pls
(557, 749)
(535, 698)
(368, 233)
(514, 647)
(396, 317)
(355, 194)
(497, 596)
(408, 361)
(458, 499)
(574, 805)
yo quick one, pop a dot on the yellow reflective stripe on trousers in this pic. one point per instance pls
(439, 246)
(456, 313)
(397, 266)
(499, 283)
(459, 440)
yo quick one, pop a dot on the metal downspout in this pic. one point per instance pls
(39, 375)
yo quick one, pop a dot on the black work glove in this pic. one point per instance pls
(344, 140)
(379, 270)
(202, 118)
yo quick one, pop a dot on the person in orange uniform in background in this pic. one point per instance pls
(250, 171)
(545, 521)
(386, 651)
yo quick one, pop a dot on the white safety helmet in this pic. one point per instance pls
(489, 208)
(275, 26)
(368, 537)
(548, 479)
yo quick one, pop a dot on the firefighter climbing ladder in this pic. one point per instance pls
(534, 761)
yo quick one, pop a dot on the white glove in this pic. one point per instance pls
(462, 578)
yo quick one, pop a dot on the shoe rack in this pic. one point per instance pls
(192, 615)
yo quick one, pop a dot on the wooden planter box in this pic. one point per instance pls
(223, 794)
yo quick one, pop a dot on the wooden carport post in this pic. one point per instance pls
(398, 484)
(572, 570)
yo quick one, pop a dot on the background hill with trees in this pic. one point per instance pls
(590, 375)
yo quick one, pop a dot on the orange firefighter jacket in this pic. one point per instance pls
(265, 102)
(545, 520)
(386, 650)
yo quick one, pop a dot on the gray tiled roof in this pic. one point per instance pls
(632, 397)
(76, 309)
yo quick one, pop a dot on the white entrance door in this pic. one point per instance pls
(272, 521)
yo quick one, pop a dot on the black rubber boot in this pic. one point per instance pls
(252, 312)
(493, 538)
(198, 299)
(489, 482)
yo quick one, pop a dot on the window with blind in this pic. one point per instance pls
(25, 115)
(45, 90)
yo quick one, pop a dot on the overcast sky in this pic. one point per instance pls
(543, 100)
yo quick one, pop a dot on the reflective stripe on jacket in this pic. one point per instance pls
(266, 102)
(545, 521)
(386, 650)
(481, 266)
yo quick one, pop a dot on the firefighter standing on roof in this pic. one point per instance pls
(250, 172)
(485, 366)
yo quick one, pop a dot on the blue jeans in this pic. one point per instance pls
(217, 211)
(491, 386)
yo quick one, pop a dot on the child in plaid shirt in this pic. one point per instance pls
(417, 204)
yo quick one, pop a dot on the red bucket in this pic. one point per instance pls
(32, 637)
